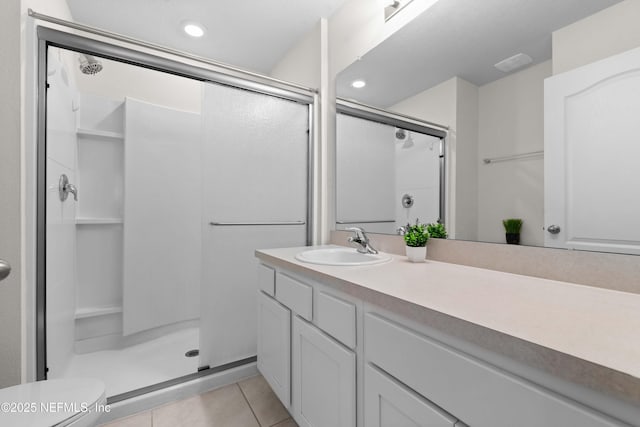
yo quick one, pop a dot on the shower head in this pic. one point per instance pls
(89, 64)
(404, 135)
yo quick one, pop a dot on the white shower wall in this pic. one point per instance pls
(61, 231)
(162, 216)
(417, 166)
(132, 191)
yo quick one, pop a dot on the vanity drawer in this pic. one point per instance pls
(266, 279)
(389, 403)
(296, 295)
(475, 392)
(337, 318)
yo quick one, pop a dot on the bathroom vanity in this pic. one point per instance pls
(437, 344)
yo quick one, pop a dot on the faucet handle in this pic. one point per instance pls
(64, 188)
(359, 232)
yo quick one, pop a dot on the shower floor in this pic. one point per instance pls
(140, 365)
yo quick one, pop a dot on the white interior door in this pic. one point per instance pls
(592, 147)
(255, 184)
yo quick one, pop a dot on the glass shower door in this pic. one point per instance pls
(255, 170)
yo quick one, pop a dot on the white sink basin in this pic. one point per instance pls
(341, 256)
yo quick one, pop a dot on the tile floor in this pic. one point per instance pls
(248, 403)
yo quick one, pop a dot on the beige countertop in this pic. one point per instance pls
(585, 334)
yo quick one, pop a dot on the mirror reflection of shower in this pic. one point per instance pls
(395, 164)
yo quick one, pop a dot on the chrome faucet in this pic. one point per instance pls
(361, 238)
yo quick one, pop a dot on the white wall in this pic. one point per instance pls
(301, 64)
(466, 161)
(10, 194)
(437, 104)
(359, 26)
(611, 31)
(511, 122)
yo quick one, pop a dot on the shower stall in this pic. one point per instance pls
(174, 176)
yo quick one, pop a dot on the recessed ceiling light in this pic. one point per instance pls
(193, 29)
(358, 84)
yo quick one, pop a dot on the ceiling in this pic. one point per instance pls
(462, 38)
(250, 34)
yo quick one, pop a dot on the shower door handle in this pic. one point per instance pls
(5, 269)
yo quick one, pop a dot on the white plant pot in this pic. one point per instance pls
(417, 254)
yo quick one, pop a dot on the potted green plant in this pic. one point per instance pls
(512, 228)
(437, 231)
(416, 237)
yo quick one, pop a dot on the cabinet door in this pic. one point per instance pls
(388, 403)
(274, 346)
(324, 379)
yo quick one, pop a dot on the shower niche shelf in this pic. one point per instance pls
(100, 134)
(98, 221)
(86, 312)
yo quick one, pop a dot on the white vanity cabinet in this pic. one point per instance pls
(274, 346)
(471, 389)
(324, 379)
(389, 403)
(336, 360)
(306, 338)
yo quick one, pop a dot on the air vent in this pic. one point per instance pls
(513, 63)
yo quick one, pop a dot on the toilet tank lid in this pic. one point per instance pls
(50, 402)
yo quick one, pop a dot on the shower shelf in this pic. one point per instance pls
(104, 134)
(98, 221)
(83, 313)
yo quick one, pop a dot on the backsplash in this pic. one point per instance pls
(603, 270)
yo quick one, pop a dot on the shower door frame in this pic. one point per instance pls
(206, 72)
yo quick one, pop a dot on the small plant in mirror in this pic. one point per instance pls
(512, 228)
(437, 230)
(416, 235)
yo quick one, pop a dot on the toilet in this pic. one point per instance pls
(77, 402)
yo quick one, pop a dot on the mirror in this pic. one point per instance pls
(443, 67)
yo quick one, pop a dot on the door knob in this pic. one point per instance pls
(553, 229)
(5, 269)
